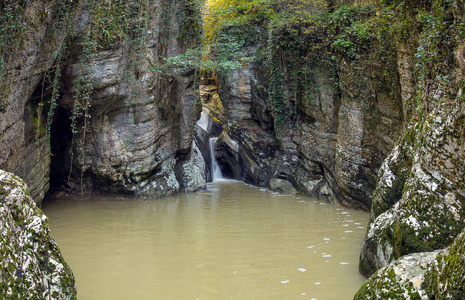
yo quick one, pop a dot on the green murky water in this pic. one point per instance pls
(232, 241)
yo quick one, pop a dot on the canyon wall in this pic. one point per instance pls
(418, 204)
(314, 124)
(87, 105)
(377, 125)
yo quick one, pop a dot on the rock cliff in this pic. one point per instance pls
(31, 266)
(418, 204)
(86, 103)
(316, 124)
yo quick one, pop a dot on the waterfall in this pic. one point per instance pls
(204, 120)
(216, 172)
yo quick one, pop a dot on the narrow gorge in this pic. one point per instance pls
(359, 104)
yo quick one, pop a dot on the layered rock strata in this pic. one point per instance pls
(341, 132)
(121, 124)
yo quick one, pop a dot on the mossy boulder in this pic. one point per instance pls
(419, 202)
(425, 275)
(31, 265)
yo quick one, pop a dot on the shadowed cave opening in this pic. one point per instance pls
(60, 143)
(226, 169)
(229, 162)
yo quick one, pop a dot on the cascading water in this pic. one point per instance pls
(204, 120)
(204, 123)
(216, 171)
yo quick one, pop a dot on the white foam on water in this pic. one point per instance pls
(216, 172)
(204, 120)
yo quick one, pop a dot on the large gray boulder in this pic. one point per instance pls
(31, 265)
(424, 275)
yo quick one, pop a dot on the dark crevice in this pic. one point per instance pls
(226, 169)
(60, 143)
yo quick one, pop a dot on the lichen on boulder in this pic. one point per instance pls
(31, 265)
(424, 275)
(418, 205)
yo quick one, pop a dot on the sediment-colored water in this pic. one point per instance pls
(232, 241)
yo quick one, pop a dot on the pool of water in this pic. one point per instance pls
(232, 241)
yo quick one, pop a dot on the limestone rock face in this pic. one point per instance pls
(32, 266)
(369, 125)
(248, 149)
(23, 142)
(419, 201)
(424, 275)
(194, 176)
(136, 128)
(141, 122)
(341, 132)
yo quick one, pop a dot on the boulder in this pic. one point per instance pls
(32, 266)
(424, 275)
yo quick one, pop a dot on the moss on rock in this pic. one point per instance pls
(425, 275)
(32, 266)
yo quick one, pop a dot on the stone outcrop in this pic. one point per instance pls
(423, 275)
(141, 120)
(32, 266)
(419, 202)
(31, 54)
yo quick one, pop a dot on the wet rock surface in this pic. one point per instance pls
(32, 266)
(141, 128)
(23, 141)
(418, 204)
